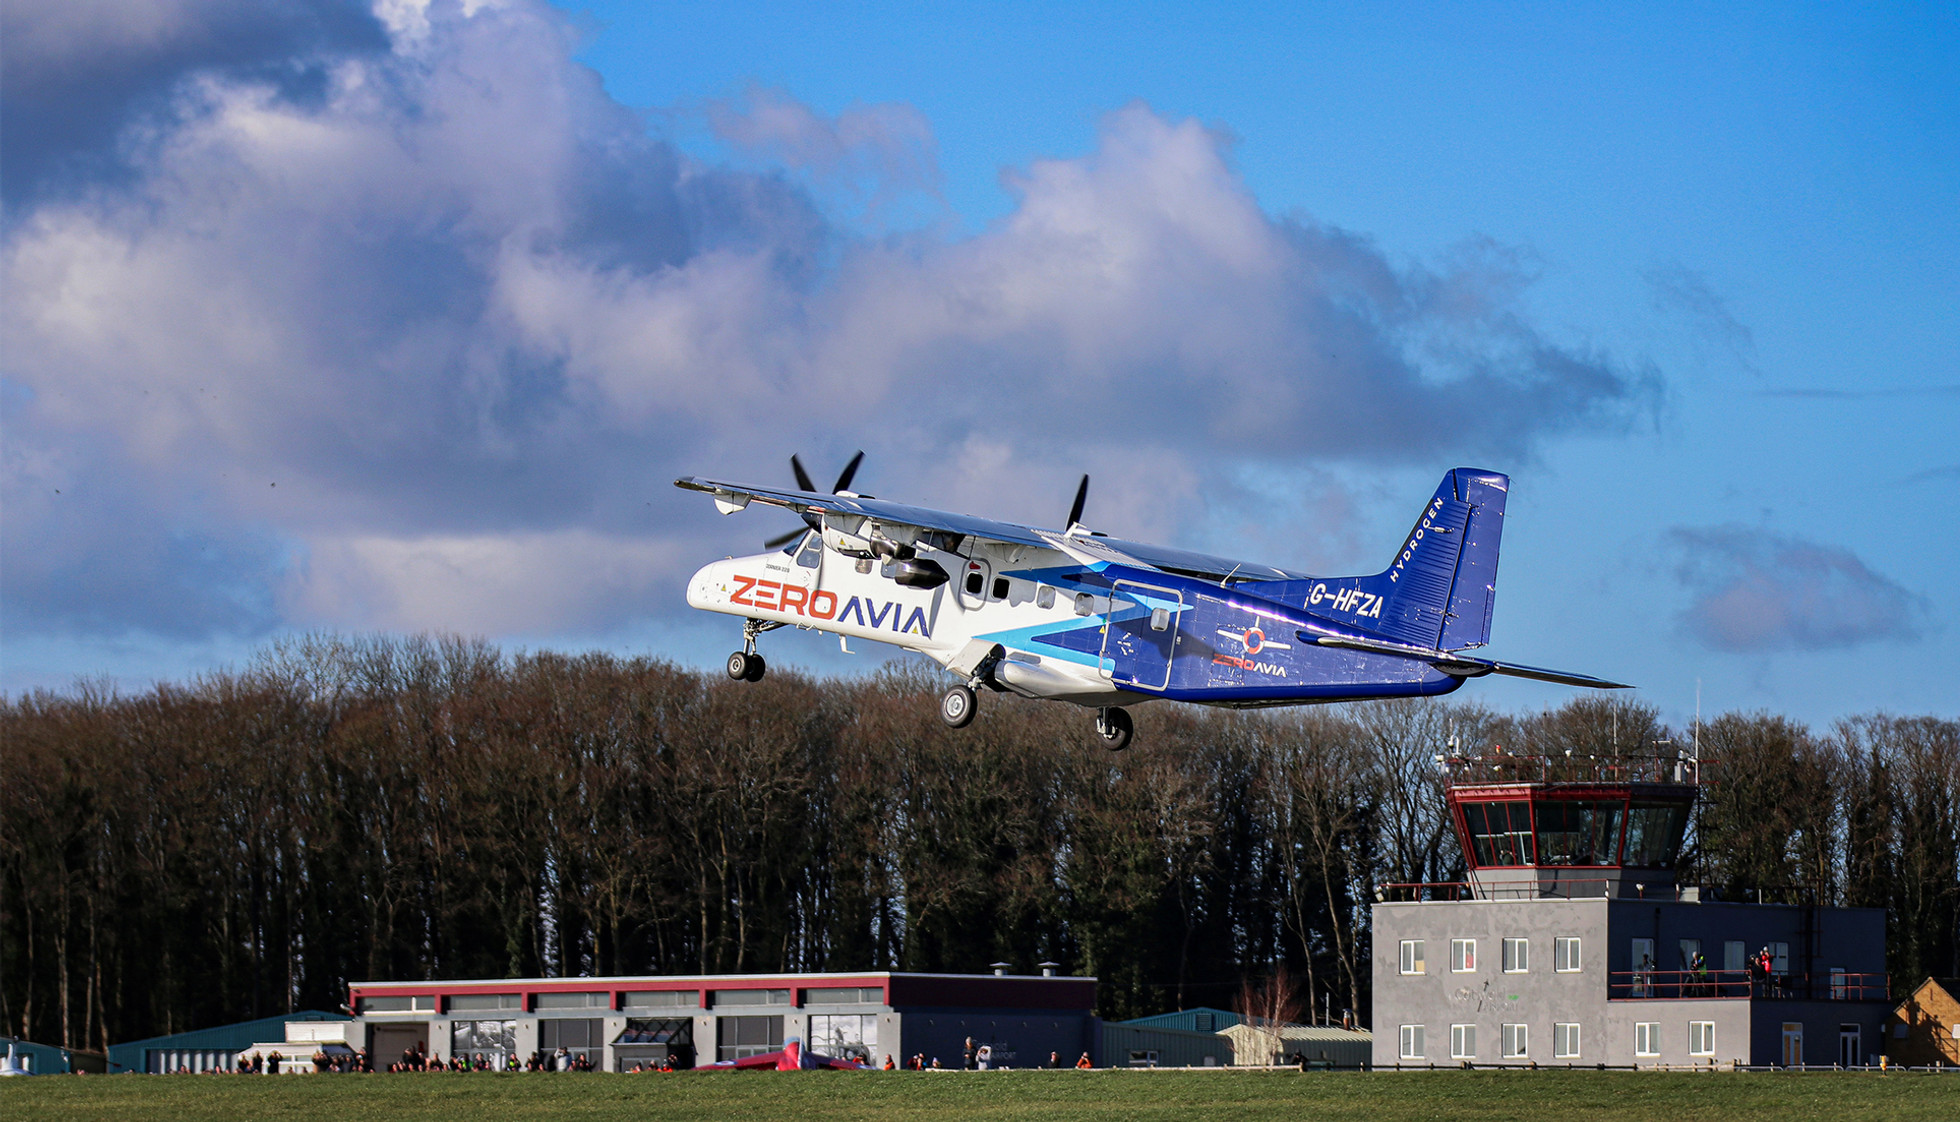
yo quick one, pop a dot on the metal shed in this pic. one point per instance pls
(1130, 1045)
(1202, 1019)
(208, 1049)
(1330, 1046)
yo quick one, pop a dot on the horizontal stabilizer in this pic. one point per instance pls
(1458, 666)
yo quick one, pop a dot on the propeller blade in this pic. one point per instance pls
(781, 540)
(802, 477)
(850, 472)
(1081, 497)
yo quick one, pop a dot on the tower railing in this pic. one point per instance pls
(1688, 985)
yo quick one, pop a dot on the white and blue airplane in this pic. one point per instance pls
(1075, 615)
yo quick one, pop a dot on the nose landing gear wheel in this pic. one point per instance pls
(956, 707)
(1115, 728)
(746, 667)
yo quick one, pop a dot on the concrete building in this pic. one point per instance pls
(622, 1021)
(1571, 944)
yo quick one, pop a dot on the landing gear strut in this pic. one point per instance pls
(745, 665)
(1115, 728)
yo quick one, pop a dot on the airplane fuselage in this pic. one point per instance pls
(1046, 624)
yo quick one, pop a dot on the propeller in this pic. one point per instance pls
(803, 483)
(1075, 512)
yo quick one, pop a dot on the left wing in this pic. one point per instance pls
(1087, 548)
(731, 497)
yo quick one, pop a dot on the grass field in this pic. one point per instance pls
(977, 1096)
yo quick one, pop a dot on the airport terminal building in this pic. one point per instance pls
(1571, 943)
(620, 1022)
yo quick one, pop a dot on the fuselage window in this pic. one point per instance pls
(1160, 619)
(1044, 597)
(1000, 588)
(1085, 604)
(974, 583)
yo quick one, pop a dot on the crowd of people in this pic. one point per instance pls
(417, 1058)
(979, 1057)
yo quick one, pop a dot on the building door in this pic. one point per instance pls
(1643, 967)
(1851, 1045)
(388, 1043)
(1792, 1044)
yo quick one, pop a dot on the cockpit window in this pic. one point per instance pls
(812, 551)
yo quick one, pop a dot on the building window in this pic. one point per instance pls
(1647, 1038)
(637, 1000)
(1463, 955)
(1565, 954)
(1779, 958)
(1500, 833)
(1412, 962)
(749, 997)
(393, 1004)
(738, 1038)
(1701, 1038)
(570, 1033)
(851, 1035)
(592, 999)
(1690, 951)
(482, 1002)
(1463, 1042)
(844, 995)
(495, 1040)
(1517, 956)
(1565, 1041)
(1517, 1041)
(1734, 955)
(1412, 1042)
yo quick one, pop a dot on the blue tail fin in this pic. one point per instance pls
(1439, 590)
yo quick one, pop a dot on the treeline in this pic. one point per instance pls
(380, 808)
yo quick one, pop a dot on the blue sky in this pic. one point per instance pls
(323, 316)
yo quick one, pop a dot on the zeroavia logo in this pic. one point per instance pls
(775, 596)
(1269, 669)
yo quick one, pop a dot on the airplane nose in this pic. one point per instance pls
(700, 585)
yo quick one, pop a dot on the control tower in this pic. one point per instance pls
(1572, 939)
(1533, 826)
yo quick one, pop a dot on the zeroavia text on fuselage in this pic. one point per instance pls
(1074, 615)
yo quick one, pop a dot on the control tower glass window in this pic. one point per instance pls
(1579, 832)
(1500, 832)
(1654, 834)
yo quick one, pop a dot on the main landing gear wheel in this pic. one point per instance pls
(1115, 728)
(746, 667)
(957, 706)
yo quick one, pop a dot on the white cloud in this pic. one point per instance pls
(489, 584)
(422, 347)
(1758, 591)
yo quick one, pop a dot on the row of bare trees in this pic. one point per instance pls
(382, 808)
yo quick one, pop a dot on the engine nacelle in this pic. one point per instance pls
(917, 572)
